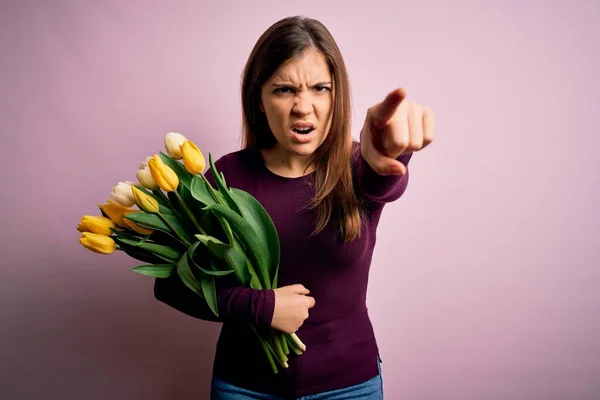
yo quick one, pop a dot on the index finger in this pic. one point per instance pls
(383, 111)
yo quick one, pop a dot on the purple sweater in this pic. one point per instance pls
(341, 346)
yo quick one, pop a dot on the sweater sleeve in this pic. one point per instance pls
(379, 188)
(234, 302)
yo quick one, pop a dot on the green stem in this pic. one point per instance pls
(175, 231)
(284, 343)
(265, 347)
(279, 348)
(189, 213)
(275, 348)
(164, 197)
(293, 346)
(215, 193)
(298, 342)
(159, 193)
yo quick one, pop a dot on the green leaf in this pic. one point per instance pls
(201, 191)
(184, 176)
(215, 225)
(210, 292)
(148, 220)
(187, 276)
(255, 282)
(223, 190)
(139, 254)
(204, 239)
(153, 221)
(212, 272)
(234, 258)
(124, 235)
(155, 270)
(130, 245)
(256, 253)
(162, 201)
(227, 230)
(165, 239)
(266, 234)
(248, 270)
(194, 205)
(164, 252)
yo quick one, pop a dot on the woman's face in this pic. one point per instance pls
(298, 103)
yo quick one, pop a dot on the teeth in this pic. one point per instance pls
(303, 130)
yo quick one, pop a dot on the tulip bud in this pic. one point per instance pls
(144, 176)
(192, 158)
(163, 175)
(96, 224)
(173, 141)
(122, 194)
(144, 163)
(145, 201)
(115, 212)
(97, 243)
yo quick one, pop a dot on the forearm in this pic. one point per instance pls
(237, 303)
(381, 188)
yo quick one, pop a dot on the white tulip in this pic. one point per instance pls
(172, 142)
(144, 164)
(123, 194)
(144, 176)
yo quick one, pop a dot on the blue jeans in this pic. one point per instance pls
(368, 390)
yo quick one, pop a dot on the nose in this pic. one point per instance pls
(302, 106)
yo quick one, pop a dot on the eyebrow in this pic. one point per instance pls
(289, 84)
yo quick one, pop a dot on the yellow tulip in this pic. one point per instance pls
(144, 201)
(136, 227)
(163, 175)
(173, 141)
(96, 224)
(97, 243)
(192, 158)
(115, 212)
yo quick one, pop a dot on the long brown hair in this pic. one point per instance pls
(287, 39)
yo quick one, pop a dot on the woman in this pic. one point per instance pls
(325, 195)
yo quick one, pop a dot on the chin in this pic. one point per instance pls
(304, 150)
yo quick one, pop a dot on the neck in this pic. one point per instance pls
(282, 163)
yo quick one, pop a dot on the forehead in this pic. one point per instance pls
(310, 67)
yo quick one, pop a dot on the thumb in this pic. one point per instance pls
(382, 112)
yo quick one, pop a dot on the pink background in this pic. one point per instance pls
(485, 283)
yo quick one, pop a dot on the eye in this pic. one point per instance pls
(283, 90)
(321, 89)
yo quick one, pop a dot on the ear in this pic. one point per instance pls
(262, 109)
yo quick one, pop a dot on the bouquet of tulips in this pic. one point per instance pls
(183, 225)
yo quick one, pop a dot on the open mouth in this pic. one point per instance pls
(303, 128)
(303, 131)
